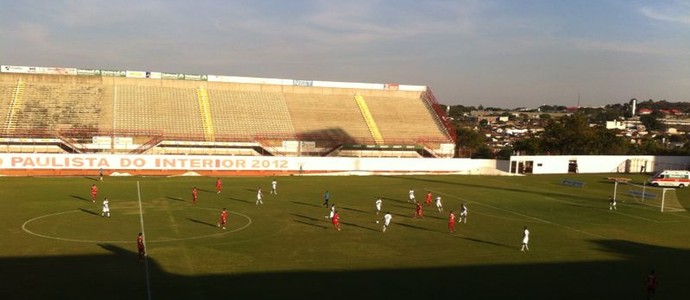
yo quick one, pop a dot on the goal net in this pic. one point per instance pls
(664, 199)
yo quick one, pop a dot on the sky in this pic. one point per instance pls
(494, 53)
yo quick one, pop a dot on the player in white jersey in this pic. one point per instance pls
(411, 196)
(386, 221)
(331, 212)
(612, 203)
(439, 205)
(259, 197)
(106, 208)
(378, 204)
(274, 187)
(463, 214)
(525, 240)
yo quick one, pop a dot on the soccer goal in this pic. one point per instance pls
(664, 199)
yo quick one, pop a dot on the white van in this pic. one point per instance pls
(674, 178)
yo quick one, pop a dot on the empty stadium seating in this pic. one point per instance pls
(173, 112)
(246, 115)
(405, 120)
(50, 107)
(334, 117)
(150, 111)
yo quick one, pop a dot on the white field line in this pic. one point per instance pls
(146, 259)
(27, 230)
(615, 211)
(525, 216)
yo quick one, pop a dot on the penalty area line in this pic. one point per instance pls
(525, 216)
(146, 259)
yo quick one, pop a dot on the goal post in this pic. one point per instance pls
(664, 199)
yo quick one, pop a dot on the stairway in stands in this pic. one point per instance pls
(369, 119)
(15, 107)
(205, 109)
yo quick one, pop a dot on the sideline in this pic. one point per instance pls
(146, 256)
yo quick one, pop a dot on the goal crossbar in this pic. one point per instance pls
(664, 199)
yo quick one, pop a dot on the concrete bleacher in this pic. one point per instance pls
(51, 107)
(245, 115)
(330, 116)
(168, 111)
(152, 110)
(6, 95)
(404, 119)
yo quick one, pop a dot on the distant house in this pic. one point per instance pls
(644, 111)
(615, 124)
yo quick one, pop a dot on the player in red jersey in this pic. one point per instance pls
(219, 185)
(94, 193)
(336, 220)
(451, 222)
(140, 246)
(650, 284)
(418, 212)
(428, 199)
(195, 195)
(223, 218)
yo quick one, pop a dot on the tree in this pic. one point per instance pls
(652, 122)
(572, 135)
(483, 152)
(528, 146)
(469, 140)
(504, 153)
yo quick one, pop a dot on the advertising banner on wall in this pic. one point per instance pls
(113, 73)
(38, 70)
(30, 161)
(135, 74)
(179, 76)
(391, 86)
(89, 72)
(17, 69)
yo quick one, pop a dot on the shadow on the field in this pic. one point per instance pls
(492, 186)
(201, 222)
(354, 209)
(357, 226)
(89, 212)
(435, 217)
(92, 178)
(175, 198)
(396, 200)
(409, 206)
(306, 217)
(241, 200)
(80, 198)
(206, 190)
(415, 227)
(311, 224)
(527, 275)
(402, 215)
(307, 204)
(486, 242)
(311, 219)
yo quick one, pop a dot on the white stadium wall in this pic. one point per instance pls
(563, 164)
(81, 164)
(30, 164)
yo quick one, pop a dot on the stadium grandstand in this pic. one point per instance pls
(68, 110)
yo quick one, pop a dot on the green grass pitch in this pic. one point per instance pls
(56, 245)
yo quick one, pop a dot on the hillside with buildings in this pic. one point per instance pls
(647, 127)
